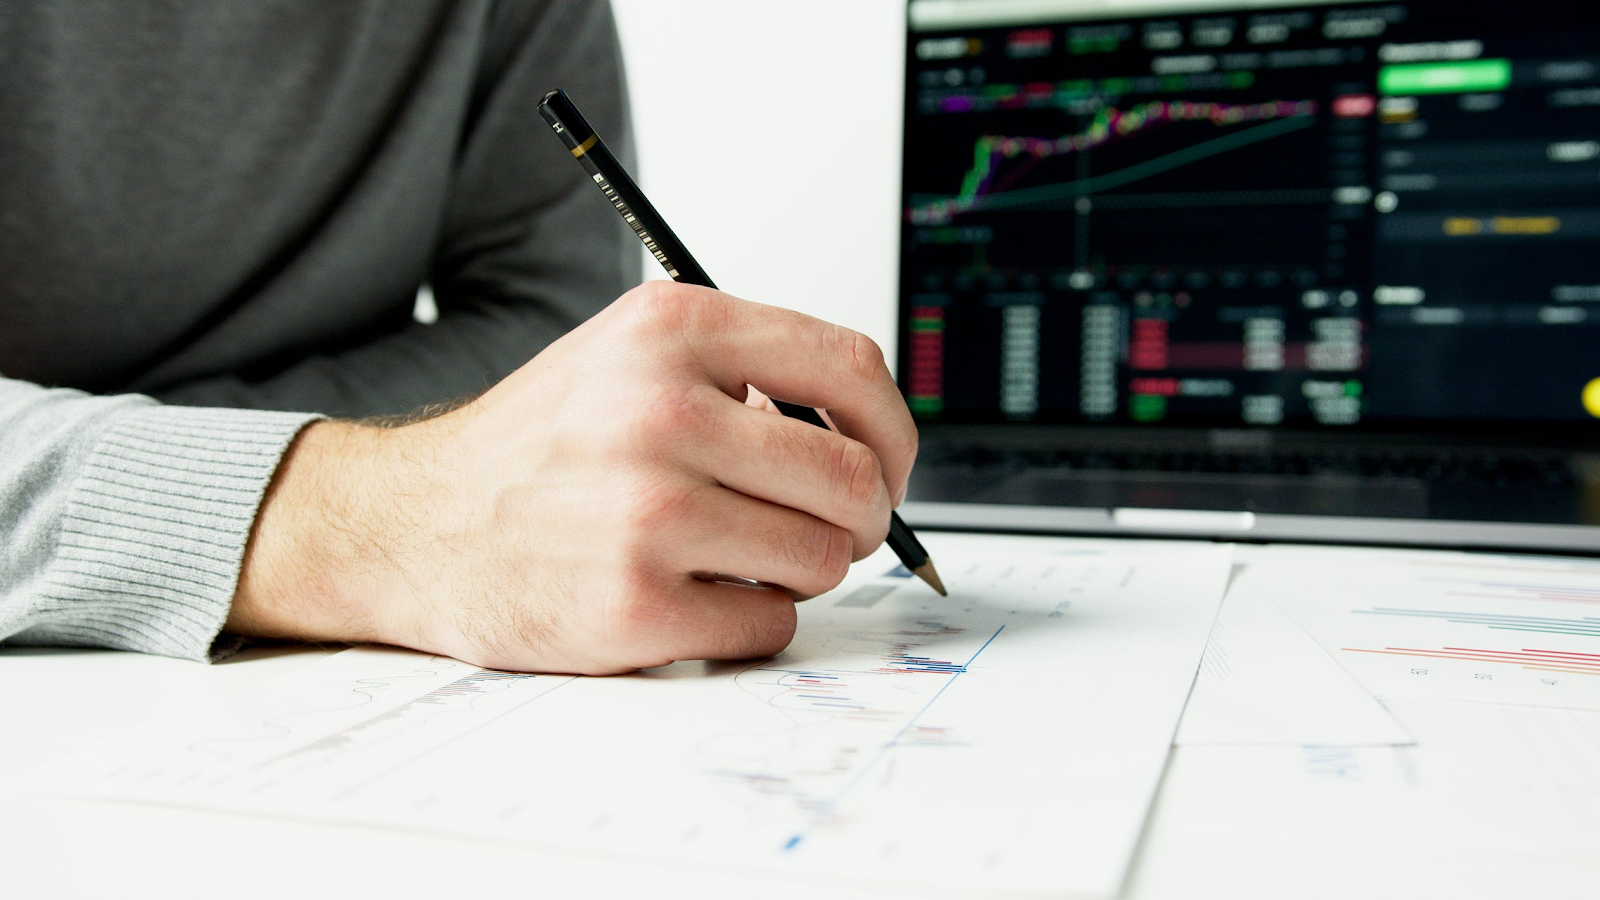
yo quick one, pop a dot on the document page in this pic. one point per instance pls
(1483, 627)
(1488, 662)
(1492, 801)
(1264, 681)
(1005, 740)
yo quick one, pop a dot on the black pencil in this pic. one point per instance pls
(596, 159)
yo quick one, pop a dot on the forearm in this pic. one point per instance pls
(331, 530)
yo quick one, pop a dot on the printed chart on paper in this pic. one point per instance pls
(1455, 626)
(1006, 739)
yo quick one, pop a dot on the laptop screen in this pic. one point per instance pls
(1325, 215)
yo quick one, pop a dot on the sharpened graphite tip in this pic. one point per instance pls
(927, 573)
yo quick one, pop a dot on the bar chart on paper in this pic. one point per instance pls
(1523, 630)
(1007, 739)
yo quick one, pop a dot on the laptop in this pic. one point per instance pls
(1255, 271)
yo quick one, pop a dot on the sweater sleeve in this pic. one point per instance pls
(123, 522)
(528, 247)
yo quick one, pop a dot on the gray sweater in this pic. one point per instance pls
(213, 212)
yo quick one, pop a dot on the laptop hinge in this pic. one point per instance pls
(1239, 440)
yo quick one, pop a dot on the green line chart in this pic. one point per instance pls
(983, 186)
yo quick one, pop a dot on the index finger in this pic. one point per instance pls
(799, 359)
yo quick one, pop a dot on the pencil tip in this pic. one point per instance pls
(927, 573)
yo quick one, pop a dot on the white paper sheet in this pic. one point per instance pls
(1493, 801)
(1006, 739)
(1264, 681)
(1451, 626)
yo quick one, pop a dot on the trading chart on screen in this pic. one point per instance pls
(1321, 215)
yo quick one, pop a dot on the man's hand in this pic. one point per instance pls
(566, 521)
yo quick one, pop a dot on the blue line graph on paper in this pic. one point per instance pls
(831, 726)
(895, 739)
(828, 727)
(833, 802)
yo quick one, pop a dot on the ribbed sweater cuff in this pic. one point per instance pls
(155, 530)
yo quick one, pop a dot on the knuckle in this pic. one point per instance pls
(667, 307)
(642, 618)
(877, 532)
(905, 454)
(653, 511)
(780, 629)
(762, 635)
(658, 307)
(861, 353)
(856, 472)
(777, 632)
(743, 638)
(639, 611)
(822, 552)
(670, 412)
(835, 562)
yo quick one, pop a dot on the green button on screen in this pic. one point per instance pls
(1445, 77)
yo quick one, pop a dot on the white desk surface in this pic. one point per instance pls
(57, 700)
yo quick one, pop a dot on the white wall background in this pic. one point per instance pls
(769, 138)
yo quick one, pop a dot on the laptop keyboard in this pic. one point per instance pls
(1477, 468)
